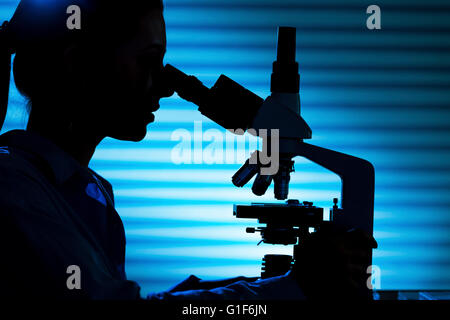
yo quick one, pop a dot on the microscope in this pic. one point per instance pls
(288, 222)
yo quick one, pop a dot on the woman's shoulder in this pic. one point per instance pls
(15, 165)
(20, 179)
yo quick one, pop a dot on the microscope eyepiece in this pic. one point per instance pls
(286, 44)
(285, 77)
(187, 87)
(227, 103)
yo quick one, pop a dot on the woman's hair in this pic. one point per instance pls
(38, 33)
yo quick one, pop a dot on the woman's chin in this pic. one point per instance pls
(136, 133)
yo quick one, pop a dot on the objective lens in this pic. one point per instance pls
(244, 174)
(281, 187)
(261, 184)
(282, 178)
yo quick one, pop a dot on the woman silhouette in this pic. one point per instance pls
(82, 85)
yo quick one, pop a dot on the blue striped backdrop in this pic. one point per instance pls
(381, 95)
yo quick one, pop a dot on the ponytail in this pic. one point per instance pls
(5, 70)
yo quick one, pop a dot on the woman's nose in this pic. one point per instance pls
(163, 84)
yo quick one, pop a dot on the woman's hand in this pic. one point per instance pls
(194, 283)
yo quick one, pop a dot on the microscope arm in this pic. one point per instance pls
(358, 183)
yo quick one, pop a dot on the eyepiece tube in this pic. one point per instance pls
(285, 77)
(286, 44)
(187, 87)
(227, 103)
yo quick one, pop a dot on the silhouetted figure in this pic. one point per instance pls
(82, 86)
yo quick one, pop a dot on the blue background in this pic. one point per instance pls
(382, 95)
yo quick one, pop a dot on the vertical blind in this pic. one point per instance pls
(382, 95)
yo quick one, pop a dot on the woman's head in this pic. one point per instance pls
(102, 80)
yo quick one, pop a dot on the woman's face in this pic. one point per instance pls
(122, 85)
